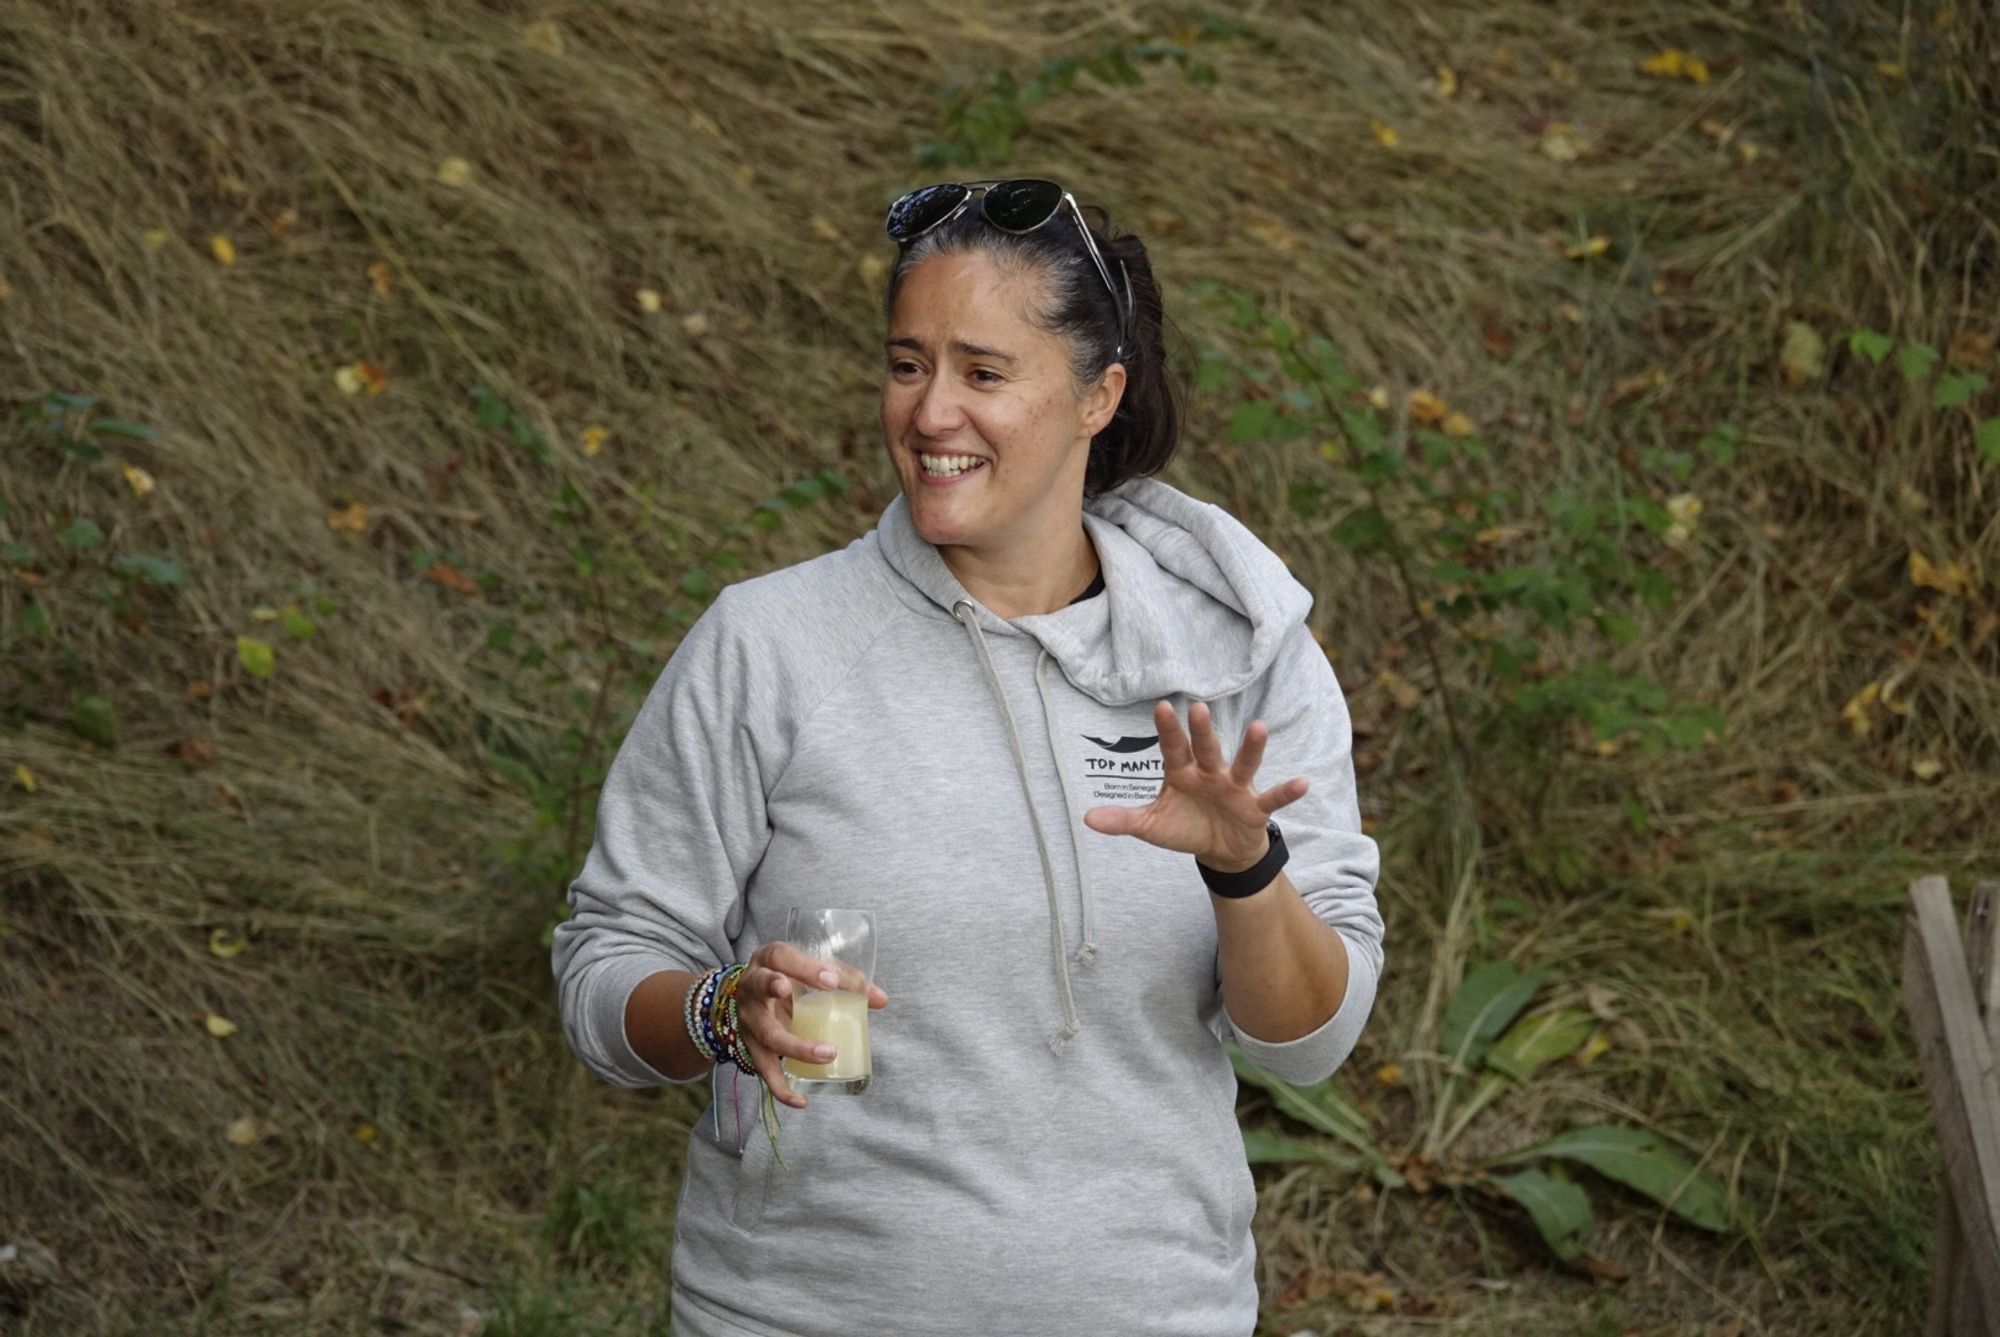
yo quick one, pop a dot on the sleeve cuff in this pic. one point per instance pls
(607, 1046)
(1315, 1056)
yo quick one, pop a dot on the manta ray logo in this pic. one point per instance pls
(1129, 743)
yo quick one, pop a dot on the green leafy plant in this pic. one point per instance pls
(1412, 491)
(983, 116)
(1958, 388)
(1490, 1048)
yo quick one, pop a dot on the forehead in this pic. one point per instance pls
(969, 295)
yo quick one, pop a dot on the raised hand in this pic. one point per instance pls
(1207, 805)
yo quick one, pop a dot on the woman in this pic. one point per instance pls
(969, 721)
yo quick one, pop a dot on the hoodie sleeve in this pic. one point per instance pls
(681, 825)
(1332, 863)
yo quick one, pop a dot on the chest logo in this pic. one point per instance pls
(1125, 770)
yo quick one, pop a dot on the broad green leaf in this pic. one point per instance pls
(1870, 345)
(1266, 1148)
(1722, 442)
(1989, 441)
(1322, 1106)
(257, 657)
(1558, 1208)
(133, 431)
(1538, 1039)
(696, 583)
(82, 533)
(1252, 421)
(1491, 997)
(1957, 388)
(1916, 360)
(151, 570)
(93, 717)
(297, 625)
(1640, 1161)
(804, 491)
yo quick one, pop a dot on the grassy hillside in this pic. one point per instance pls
(389, 385)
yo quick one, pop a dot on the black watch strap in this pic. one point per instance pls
(1235, 886)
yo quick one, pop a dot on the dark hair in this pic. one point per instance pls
(1143, 433)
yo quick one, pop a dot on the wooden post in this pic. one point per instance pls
(1951, 989)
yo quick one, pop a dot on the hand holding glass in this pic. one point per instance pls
(844, 942)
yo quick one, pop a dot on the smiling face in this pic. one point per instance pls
(968, 375)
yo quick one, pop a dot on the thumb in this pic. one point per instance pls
(1112, 821)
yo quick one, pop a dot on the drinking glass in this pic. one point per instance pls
(845, 940)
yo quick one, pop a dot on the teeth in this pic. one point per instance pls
(947, 465)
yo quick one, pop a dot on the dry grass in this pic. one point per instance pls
(393, 867)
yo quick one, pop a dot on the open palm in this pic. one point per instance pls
(1207, 805)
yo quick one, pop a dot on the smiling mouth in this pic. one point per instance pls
(949, 466)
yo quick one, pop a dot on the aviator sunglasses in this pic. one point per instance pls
(1019, 206)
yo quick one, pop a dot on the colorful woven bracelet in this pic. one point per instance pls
(687, 1013)
(705, 1040)
(739, 1047)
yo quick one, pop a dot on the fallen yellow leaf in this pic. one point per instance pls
(649, 301)
(1593, 1047)
(348, 379)
(1674, 63)
(286, 220)
(1927, 768)
(379, 275)
(242, 1132)
(1948, 578)
(454, 172)
(1378, 398)
(594, 438)
(544, 36)
(1425, 408)
(353, 518)
(695, 324)
(219, 1027)
(1384, 135)
(1684, 507)
(1456, 424)
(138, 479)
(1561, 142)
(1803, 357)
(1389, 1074)
(1598, 244)
(223, 249)
(1855, 712)
(1447, 81)
(25, 776)
(223, 945)
(365, 1133)
(871, 268)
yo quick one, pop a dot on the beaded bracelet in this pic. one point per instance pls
(695, 1013)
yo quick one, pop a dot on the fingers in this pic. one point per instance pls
(789, 960)
(1206, 747)
(1251, 755)
(1279, 796)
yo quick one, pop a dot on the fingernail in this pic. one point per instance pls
(828, 978)
(823, 1053)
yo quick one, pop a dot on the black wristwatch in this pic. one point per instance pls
(1253, 879)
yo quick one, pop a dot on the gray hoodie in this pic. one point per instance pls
(1049, 1144)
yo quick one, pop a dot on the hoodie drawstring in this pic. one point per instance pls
(968, 617)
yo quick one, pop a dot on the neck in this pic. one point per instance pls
(1024, 583)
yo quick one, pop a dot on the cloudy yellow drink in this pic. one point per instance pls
(836, 1017)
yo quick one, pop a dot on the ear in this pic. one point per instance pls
(1102, 401)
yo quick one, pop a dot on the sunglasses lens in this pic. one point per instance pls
(921, 210)
(1022, 206)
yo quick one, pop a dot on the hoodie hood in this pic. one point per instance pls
(1193, 602)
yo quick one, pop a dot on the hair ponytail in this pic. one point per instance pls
(1142, 436)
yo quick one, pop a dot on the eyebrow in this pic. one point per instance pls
(957, 346)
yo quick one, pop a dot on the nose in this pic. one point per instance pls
(937, 412)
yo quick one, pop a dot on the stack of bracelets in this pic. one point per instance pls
(710, 1014)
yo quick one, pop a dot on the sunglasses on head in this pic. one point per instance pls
(1019, 206)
